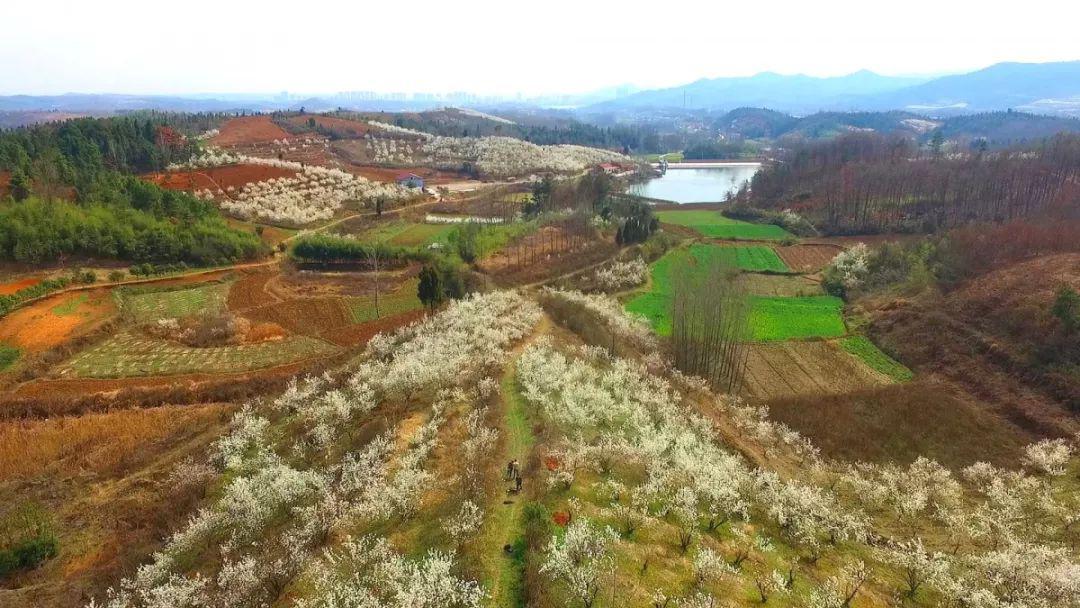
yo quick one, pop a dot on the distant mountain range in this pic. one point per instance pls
(1050, 88)
(995, 128)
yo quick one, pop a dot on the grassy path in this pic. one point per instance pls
(504, 525)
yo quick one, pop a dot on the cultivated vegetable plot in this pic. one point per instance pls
(655, 304)
(151, 306)
(128, 354)
(714, 224)
(774, 318)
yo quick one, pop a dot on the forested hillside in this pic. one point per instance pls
(72, 191)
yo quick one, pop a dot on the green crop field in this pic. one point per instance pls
(714, 224)
(779, 318)
(655, 304)
(362, 308)
(408, 234)
(150, 306)
(869, 353)
(129, 354)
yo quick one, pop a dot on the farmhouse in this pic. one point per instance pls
(410, 180)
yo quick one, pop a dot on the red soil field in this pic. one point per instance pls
(39, 327)
(432, 177)
(250, 291)
(10, 288)
(236, 176)
(5, 180)
(249, 130)
(308, 316)
(808, 258)
(341, 126)
(358, 335)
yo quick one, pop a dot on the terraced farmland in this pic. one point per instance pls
(655, 303)
(150, 306)
(715, 225)
(404, 299)
(816, 367)
(129, 354)
(779, 318)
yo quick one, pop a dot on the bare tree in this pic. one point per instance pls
(373, 254)
(710, 323)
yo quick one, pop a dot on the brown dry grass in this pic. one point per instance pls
(994, 338)
(94, 442)
(111, 507)
(898, 423)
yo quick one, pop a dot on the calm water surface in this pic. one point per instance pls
(708, 185)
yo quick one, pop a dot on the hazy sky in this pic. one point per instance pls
(503, 46)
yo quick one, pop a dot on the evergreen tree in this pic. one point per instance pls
(20, 185)
(430, 289)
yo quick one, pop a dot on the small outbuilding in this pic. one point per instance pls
(410, 180)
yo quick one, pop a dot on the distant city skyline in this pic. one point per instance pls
(489, 48)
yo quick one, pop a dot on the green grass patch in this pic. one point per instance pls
(863, 348)
(779, 318)
(8, 356)
(68, 308)
(714, 224)
(362, 308)
(129, 354)
(150, 306)
(672, 157)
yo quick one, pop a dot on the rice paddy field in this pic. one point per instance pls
(715, 225)
(129, 354)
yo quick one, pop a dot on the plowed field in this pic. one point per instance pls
(787, 369)
(807, 258)
(308, 316)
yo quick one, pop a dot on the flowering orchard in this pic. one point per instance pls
(302, 499)
(382, 485)
(502, 157)
(315, 194)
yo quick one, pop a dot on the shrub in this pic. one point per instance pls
(1067, 308)
(26, 539)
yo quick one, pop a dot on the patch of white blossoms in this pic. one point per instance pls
(503, 157)
(621, 275)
